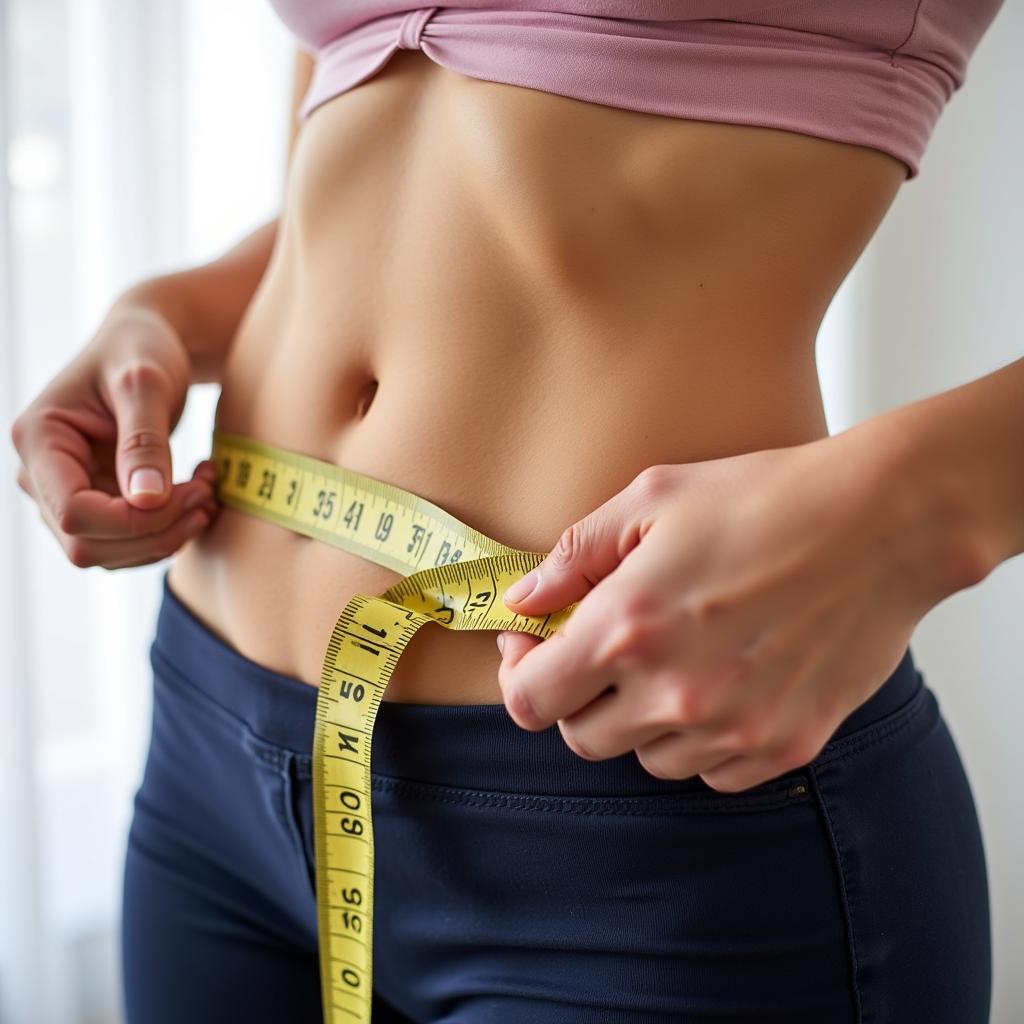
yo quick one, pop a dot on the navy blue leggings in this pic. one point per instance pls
(517, 883)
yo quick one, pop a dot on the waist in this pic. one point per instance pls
(441, 744)
(520, 459)
(514, 323)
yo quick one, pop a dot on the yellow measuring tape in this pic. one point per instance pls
(455, 576)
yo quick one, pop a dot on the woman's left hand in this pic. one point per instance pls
(731, 612)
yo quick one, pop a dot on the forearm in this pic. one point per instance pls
(955, 462)
(204, 304)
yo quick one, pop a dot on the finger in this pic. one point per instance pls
(206, 470)
(515, 645)
(681, 755)
(121, 554)
(544, 682)
(608, 726)
(57, 467)
(96, 514)
(590, 549)
(141, 397)
(739, 773)
(799, 732)
(709, 732)
(801, 723)
(106, 482)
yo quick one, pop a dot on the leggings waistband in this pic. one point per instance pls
(467, 745)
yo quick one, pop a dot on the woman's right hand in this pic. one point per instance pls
(102, 426)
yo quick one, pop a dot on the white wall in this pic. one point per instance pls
(937, 299)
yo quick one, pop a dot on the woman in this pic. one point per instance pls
(561, 273)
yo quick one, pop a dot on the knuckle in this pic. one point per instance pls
(653, 766)
(573, 742)
(569, 545)
(655, 481)
(65, 518)
(143, 441)
(681, 702)
(629, 637)
(704, 608)
(136, 375)
(749, 735)
(79, 554)
(634, 602)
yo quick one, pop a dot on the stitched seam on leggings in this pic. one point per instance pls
(638, 806)
(902, 720)
(291, 801)
(851, 932)
(303, 765)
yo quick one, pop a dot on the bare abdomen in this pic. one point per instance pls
(510, 303)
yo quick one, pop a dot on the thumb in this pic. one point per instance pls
(141, 404)
(586, 552)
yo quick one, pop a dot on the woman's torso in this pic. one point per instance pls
(550, 295)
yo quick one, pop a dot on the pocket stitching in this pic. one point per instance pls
(290, 817)
(833, 834)
(786, 792)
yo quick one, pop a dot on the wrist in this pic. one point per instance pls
(165, 300)
(155, 303)
(154, 296)
(935, 541)
(203, 305)
(134, 330)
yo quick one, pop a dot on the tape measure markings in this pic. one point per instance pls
(462, 590)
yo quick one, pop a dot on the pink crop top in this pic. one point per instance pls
(873, 72)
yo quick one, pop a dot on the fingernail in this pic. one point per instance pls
(524, 587)
(146, 481)
(500, 640)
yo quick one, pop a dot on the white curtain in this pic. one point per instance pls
(143, 136)
(139, 137)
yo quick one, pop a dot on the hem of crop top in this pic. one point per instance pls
(735, 78)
